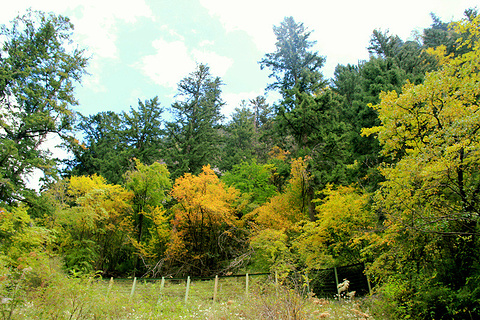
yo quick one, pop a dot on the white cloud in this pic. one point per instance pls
(249, 16)
(95, 25)
(234, 100)
(218, 64)
(206, 43)
(173, 61)
(95, 21)
(342, 28)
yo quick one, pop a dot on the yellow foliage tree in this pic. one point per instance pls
(286, 210)
(431, 194)
(337, 236)
(205, 225)
(20, 236)
(94, 223)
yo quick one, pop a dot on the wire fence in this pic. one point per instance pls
(218, 288)
(323, 283)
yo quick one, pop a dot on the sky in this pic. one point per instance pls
(142, 48)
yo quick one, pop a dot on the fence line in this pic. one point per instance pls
(322, 282)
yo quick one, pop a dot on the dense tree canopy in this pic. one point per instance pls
(430, 196)
(380, 167)
(38, 70)
(112, 142)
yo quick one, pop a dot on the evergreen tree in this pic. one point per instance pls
(193, 137)
(113, 141)
(144, 132)
(265, 136)
(391, 64)
(297, 75)
(103, 150)
(239, 138)
(309, 112)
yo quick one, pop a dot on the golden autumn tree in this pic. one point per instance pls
(280, 219)
(205, 226)
(337, 237)
(285, 210)
(93, 220)
(431, 194)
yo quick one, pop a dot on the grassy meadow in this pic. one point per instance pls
(85, 298)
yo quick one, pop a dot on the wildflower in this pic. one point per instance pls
(342, 287)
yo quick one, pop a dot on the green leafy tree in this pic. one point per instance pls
(193, 137)
(271, 253)
(254, 181)
(112, 142)
(430, 194)
(150, 186)
(38, 70)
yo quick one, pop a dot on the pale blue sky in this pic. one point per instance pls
(141, 49)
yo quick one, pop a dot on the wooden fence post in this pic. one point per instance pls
(276, 282)
(162, 285)
(133, 287)
(188, 288)
(215, 289)
(246, 285)
(336, 280)
(368, 280)
(110, 284)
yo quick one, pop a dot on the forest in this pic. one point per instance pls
(379, 165)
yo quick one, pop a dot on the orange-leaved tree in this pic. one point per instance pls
(205, 232)
(286, 210)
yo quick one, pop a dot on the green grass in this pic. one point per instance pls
(67, 298)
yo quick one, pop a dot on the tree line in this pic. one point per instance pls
(377, 165)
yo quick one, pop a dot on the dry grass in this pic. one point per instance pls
(66, 298)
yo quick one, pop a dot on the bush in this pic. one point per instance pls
(428, 299)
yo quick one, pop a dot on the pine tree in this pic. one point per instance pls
(193, 136)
